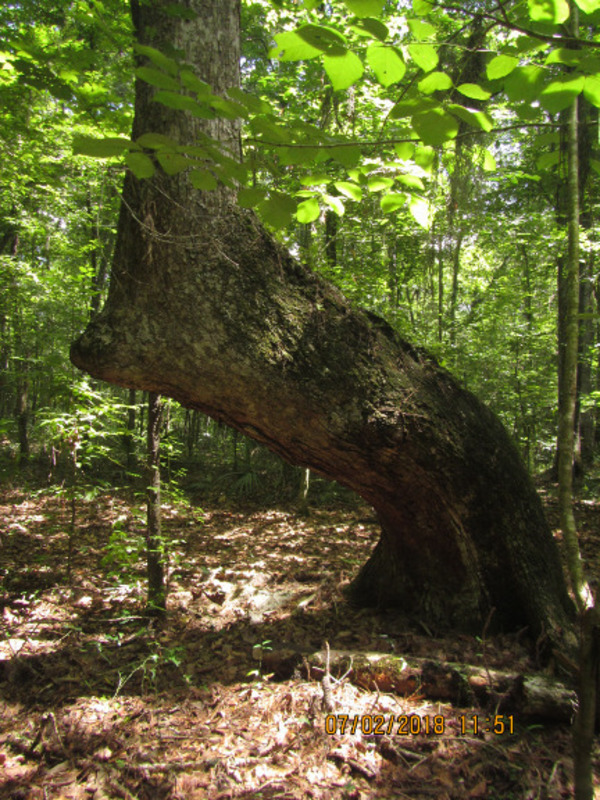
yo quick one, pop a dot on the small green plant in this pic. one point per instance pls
(124, 549)
(257, 654)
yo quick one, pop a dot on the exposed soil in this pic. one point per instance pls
(98, 702)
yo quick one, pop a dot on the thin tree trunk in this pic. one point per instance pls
(154, 542)
(568, 367)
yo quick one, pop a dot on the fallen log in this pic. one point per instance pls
(533, 696)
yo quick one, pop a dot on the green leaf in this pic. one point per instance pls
(435, 127)
(425, 158)
(371, 27)
(308, 211)
(421, 30)
(250, 197)
(419, 208)
(325, 39)
(350, 190)
(365, 8)
(346, 156)
(561, 93)
(489, 162)
(424, 55)
(414, 105)
(422, 7)
(140, 164)
(335, 203)
(297, 155)
(524, 84)
(473, 117)
(172, 163)
(203, 179)
(227, 108)
(277, 210)
(156, 141)
(500, 67)
(192, 82)
(392, 202)
(552, 11)
(591, 90)
(547, 161)
(588, 6)
(411, 182)
(100, 148)
(474, 91)
(435, 82)
(562, 55)
(162, 61)
(182, 102)
(379, 183)
(292, 47)
(386, 63)
(315, 180)
(157, 78)
(404, 150)
(344, 70)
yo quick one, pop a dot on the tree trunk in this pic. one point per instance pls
(154, 544)
(206, 307)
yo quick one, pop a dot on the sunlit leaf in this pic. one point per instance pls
(472, 116)
(474, 91)
(435, 127)
(425, 157)
(365, 8)
(386, 63)
(435, 82)
(350, 190)
(404, 150)
(335, 204)
(501, 66)
(588, 6)
(379, 183)
(424, 55)
(419, 208)
(344, 70)
(591, 90)
(411, 182)
(414, 105)
(392, 202)
(524, 84)
(315, 180)
(560, 93)
(421, 29)
(325, 39)
(308, 211)
(292, 47)
(553, 11)
(182, 102)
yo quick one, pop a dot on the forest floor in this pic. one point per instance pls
(96, 702)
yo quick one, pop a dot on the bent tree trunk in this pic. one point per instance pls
(204, 306)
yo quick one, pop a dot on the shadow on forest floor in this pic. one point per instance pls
(97, 702)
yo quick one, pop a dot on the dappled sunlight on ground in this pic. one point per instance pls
(95, 701)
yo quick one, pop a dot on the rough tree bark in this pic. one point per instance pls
(206, 307)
